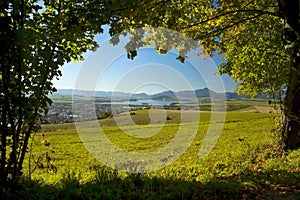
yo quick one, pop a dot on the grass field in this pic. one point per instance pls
(244, 164)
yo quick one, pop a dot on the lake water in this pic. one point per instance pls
(141, 102)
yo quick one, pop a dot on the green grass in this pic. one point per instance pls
(236, 105)
(244, 164)
(61, 99)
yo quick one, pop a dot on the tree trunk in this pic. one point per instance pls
(291, 39)
(291, 125)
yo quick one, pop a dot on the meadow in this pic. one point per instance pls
(246, 162)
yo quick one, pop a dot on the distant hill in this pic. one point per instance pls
(166, 95)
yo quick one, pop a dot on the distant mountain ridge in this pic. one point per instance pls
(166, 95)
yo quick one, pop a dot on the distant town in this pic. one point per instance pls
(67, 112)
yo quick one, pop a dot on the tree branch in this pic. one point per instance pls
(219, 31)
(233, 12)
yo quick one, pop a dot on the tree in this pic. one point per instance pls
(258, 40)
(35, 40)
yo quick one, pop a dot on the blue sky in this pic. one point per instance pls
(109, 69)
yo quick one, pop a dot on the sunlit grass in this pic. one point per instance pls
(71, 154)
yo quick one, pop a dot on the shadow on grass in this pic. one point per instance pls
(107, 184)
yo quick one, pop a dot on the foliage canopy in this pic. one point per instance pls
(247, 34)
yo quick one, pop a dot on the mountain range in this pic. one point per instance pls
(166, 95)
